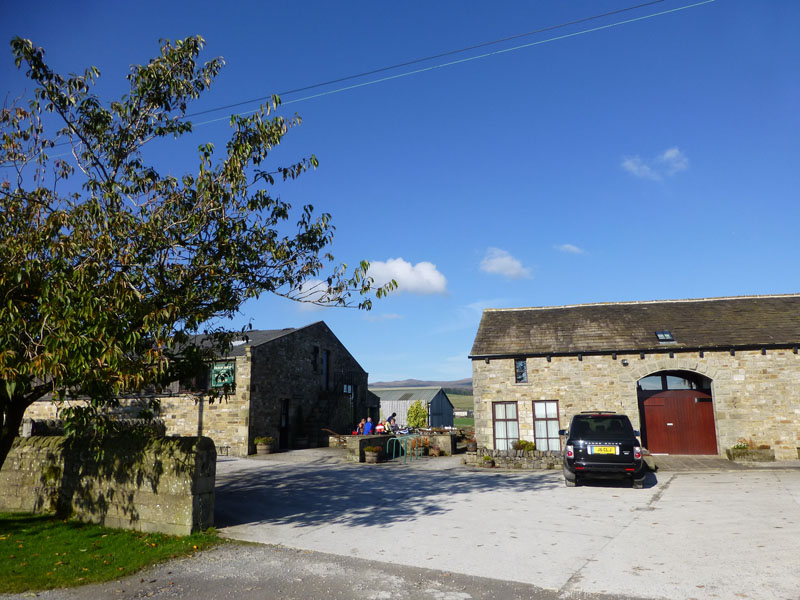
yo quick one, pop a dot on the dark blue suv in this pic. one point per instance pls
(602, 444)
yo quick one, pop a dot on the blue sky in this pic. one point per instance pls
(651, 160)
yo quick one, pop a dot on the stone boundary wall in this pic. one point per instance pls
(516, 459)
(163, 484)
(445, 441)
(357, 443)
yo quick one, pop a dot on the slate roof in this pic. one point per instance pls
(408, 394)
(256, 337)
(708, 323)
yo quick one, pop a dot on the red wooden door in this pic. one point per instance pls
(680, 422)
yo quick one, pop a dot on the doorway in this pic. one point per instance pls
(283, 431)
(676, 409)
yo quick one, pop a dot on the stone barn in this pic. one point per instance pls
(289, 384)
(695, 376)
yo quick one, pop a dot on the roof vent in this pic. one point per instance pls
(664, 336)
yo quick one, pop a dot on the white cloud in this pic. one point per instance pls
(569, 249)
(636, 166)
(668, 163)
(312, 290)
(674, 160)
(383, 317)
(500, 262)
(422, 278)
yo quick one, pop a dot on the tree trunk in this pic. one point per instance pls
(12, 419)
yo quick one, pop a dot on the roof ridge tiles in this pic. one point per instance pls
(645, 302)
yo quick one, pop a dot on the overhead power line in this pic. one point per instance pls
(442, 65)
(460, 61)
(427, 58)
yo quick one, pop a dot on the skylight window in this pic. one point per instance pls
(664, 336)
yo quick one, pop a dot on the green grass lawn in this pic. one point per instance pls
(461, 401)
(41, 552)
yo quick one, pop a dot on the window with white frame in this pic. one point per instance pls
(506, 425)
(545, 425)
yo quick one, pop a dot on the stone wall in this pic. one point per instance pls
(226, 421)
(445, 441)
(164, 485)
(755, 396)
(515, 459)
(357, 443)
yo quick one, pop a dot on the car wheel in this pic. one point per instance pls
(638, 483)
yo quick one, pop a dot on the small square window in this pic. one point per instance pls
(664, 336)
(521, 370)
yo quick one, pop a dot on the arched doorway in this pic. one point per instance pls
(677, 413)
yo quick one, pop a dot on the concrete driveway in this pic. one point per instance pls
(713, 534)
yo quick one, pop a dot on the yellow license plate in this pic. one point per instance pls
(604, 450)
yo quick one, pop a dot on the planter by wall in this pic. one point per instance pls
(265, 448)
(372, 457)
(746, 454)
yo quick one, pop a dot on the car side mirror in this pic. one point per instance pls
(562, 432)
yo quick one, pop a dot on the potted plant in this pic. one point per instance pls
(472, 445)
(435, 451)
(264, 444)
(372, 454)
(747, 450)
(487, 462)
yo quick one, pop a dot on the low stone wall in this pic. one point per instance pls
(357, 443)
(445, 441)
(516, 459)
(338, 441)
(162, 484)
(750, 455)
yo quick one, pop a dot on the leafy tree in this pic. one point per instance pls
(417, 414)
(109, 268)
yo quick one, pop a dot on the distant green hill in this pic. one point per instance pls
(460, 386)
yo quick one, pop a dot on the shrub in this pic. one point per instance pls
(524, 445)
(417, 415)
(487, 458)
(375, 449)
(264, 439)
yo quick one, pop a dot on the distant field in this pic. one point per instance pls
(468, 422)
(461, 400)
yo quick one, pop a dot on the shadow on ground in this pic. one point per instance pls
(650, 481)
(312, 494)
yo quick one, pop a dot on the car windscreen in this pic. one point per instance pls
(606, 428)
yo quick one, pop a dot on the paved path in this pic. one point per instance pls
(263, 572)
(713, 534)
